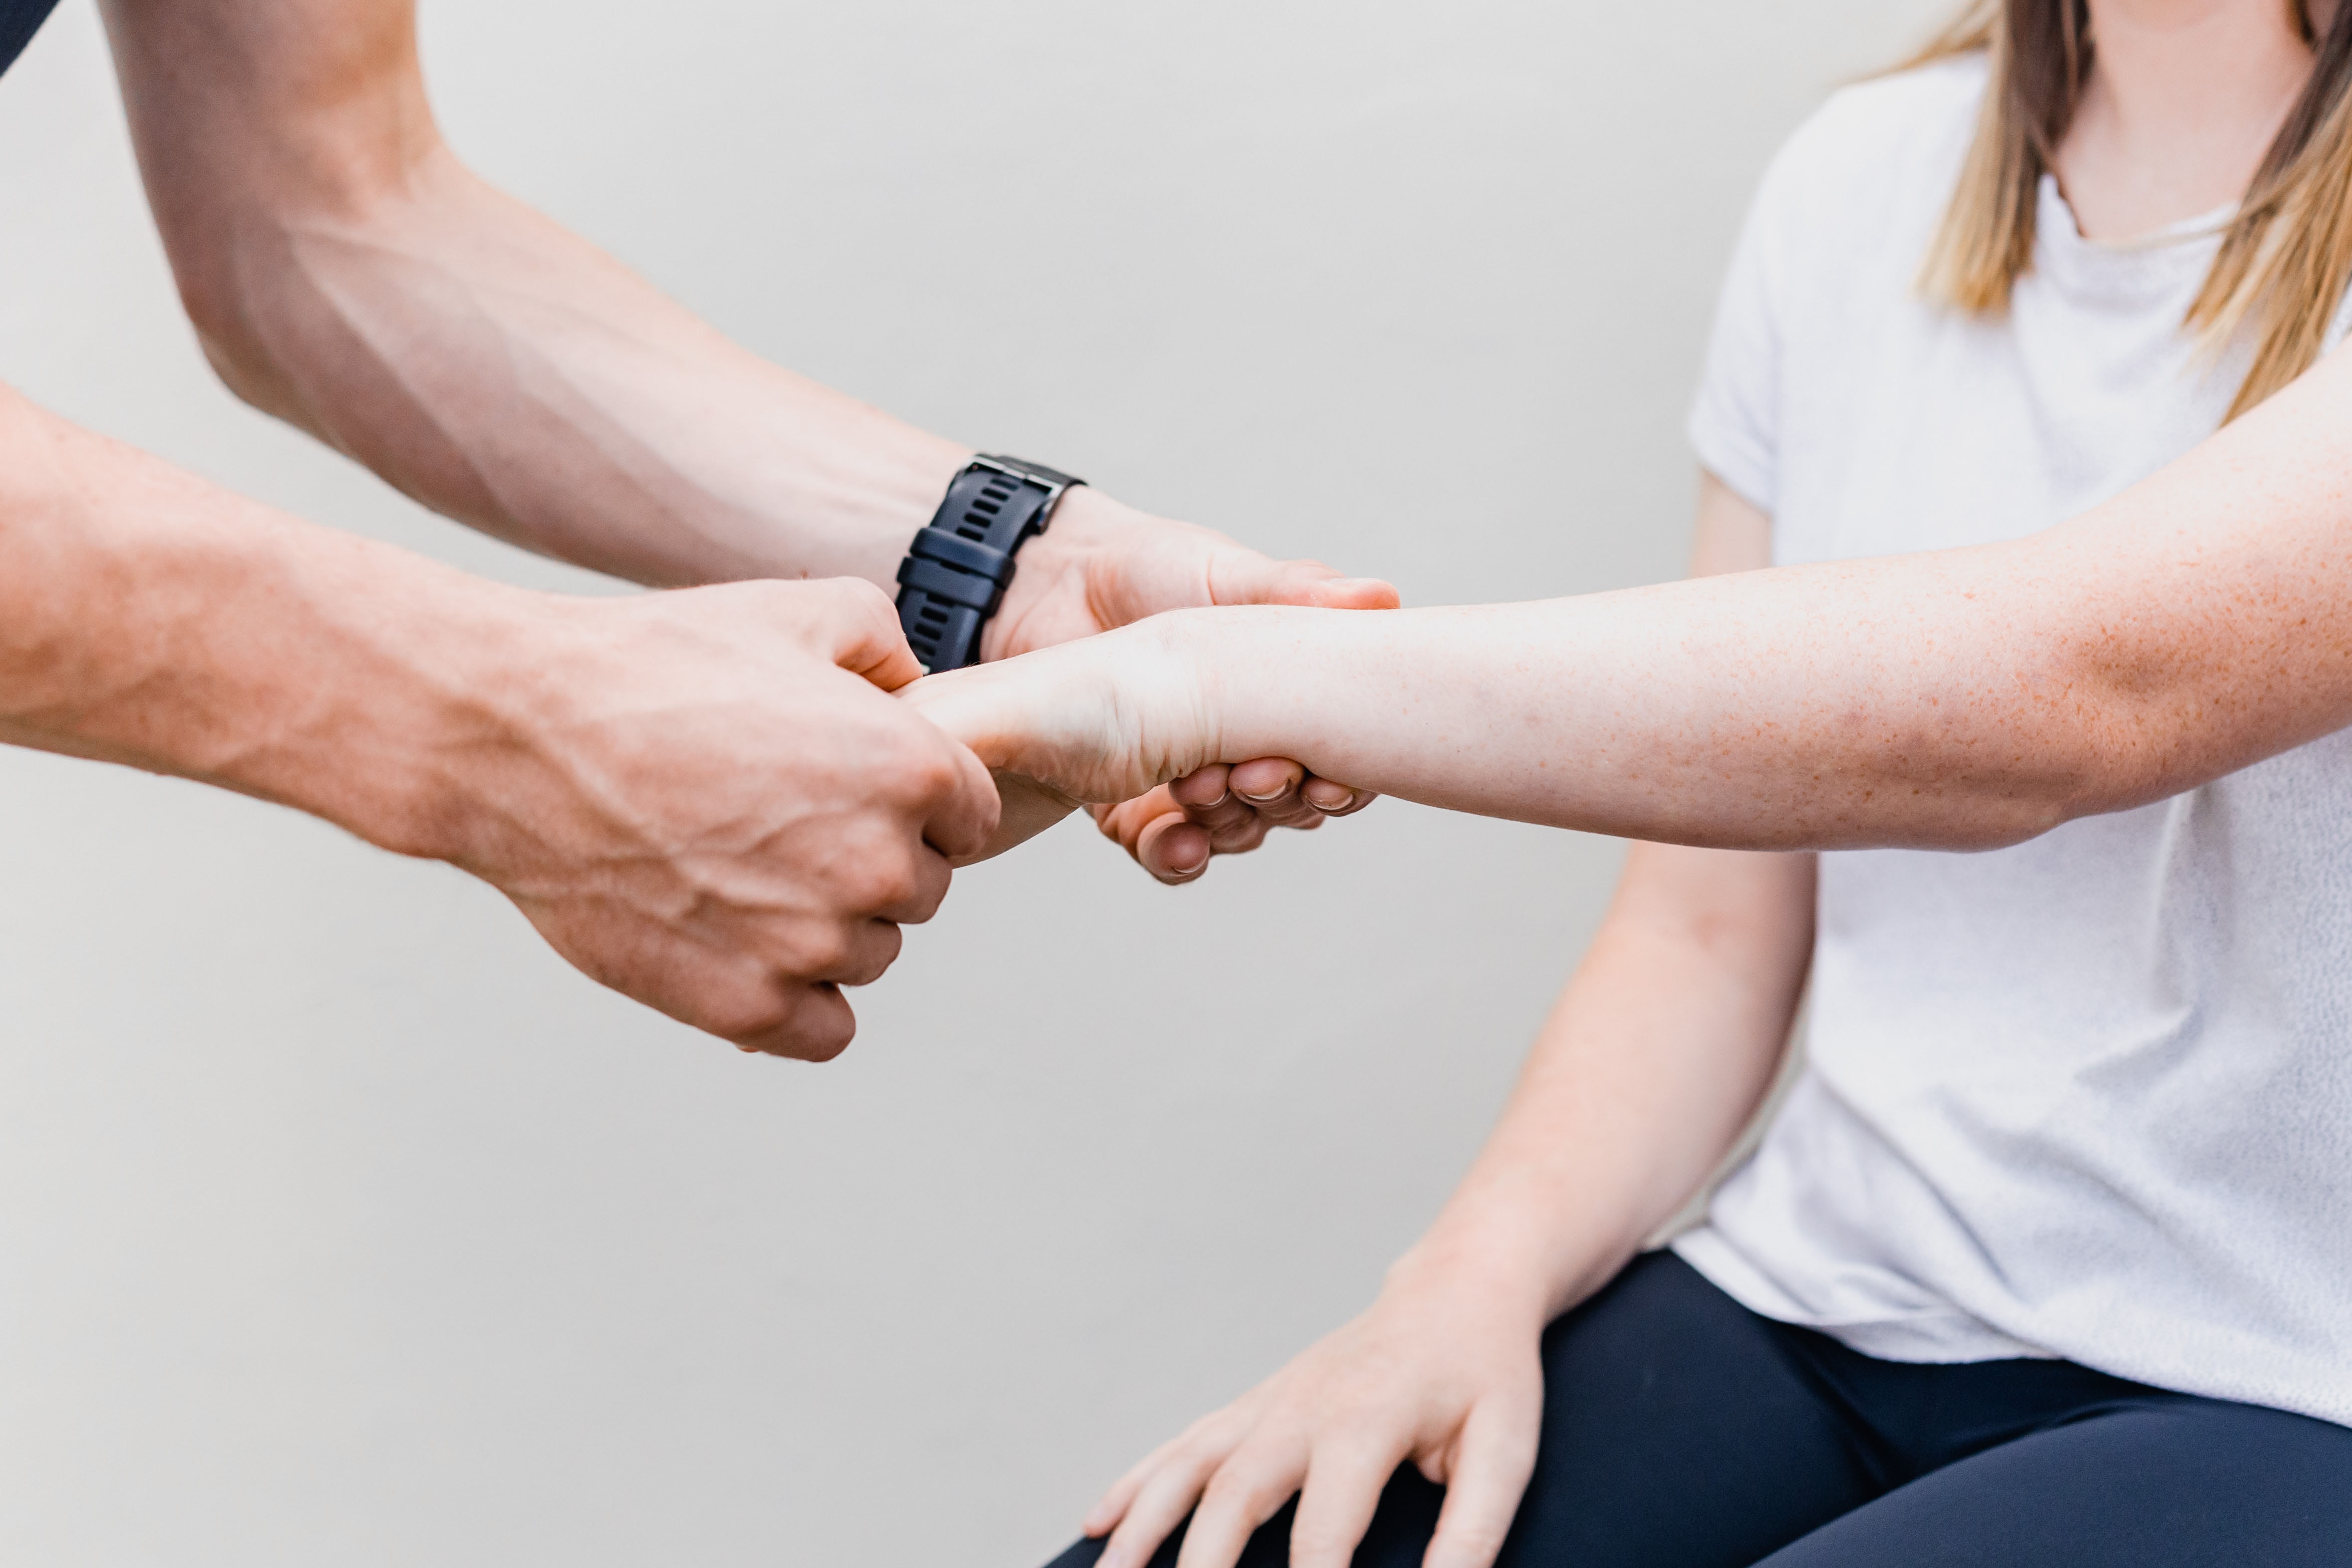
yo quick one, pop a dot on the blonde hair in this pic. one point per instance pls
(2288, 255)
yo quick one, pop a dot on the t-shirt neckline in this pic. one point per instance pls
(2179, 231)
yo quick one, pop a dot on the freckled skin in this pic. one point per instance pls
(1960, 699)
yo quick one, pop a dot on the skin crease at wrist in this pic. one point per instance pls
(1077, 577)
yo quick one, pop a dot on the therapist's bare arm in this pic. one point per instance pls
(1961, 699)
(704, 798)
(348, 273)
(1655, 1057)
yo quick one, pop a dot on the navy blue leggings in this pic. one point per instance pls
(1681, 1430)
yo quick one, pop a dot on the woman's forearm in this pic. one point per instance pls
(1654, 1058)
(1881, 701)
(1959, 699)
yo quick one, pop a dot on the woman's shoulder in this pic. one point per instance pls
(1897, 138)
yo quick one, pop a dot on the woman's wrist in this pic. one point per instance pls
(1516, 1239)
(1503, 1263)
(1283, 681)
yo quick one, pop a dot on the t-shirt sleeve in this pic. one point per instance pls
(1735, 423)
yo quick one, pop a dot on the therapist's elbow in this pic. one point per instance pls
(258, 277)
(254, 313)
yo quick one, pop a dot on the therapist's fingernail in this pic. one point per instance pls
(1259, 799)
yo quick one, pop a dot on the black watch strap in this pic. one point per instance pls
(955, 575)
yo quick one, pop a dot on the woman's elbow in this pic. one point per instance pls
(1998, 822)
(2077, 777)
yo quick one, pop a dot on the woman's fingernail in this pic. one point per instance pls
(1259, 799)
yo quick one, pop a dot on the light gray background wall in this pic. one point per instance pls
(342, 1224)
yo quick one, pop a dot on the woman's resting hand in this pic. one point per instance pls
(1443, 1372)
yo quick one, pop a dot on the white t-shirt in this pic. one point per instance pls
(2089, 1096)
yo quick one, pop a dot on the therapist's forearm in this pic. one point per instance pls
(508, 374)
(348, 273)
(150, 619)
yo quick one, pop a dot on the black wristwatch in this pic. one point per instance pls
(954, 576)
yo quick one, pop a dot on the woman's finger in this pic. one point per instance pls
(1270, 787)
(1205, 788)
(1265, 780)
(1227, 826)
(1159, 1506)
(1146, 828)
(1344, 1483)
(1247, 1490)
(1174, 849)
(1334, 799)
(1111, 1508)
(1177, 829)
(1234, 826)
(1494, 1457)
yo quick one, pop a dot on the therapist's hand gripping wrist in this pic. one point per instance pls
(1104, 565)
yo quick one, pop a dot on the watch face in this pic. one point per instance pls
(1036, 473)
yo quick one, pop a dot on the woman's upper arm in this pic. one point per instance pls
(2201, 621)
(1733, 534)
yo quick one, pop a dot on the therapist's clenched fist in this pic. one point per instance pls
(704, 798)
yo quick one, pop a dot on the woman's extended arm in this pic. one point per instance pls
(1654, 1060)
(1960, 699)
